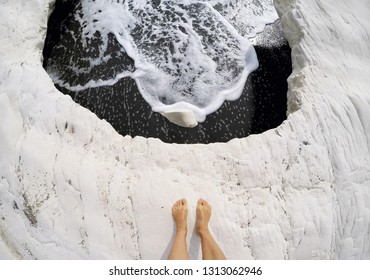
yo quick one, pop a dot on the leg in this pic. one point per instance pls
(210, 249)
(179, 249)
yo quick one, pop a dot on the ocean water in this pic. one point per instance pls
(94, 68)
(184, 54)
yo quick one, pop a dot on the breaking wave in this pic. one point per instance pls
(187, 54)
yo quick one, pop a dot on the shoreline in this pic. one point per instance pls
(259, 108)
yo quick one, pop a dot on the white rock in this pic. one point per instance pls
(184, 118)
(71, 187)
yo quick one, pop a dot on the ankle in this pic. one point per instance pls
(182, 229)
(202, 231)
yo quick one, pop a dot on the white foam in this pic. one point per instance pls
(300, 191)
(249, 17)
(187, 55)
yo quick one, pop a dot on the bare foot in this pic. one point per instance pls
(180, 214)
(203, 216)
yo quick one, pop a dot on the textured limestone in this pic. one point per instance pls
(71, 187)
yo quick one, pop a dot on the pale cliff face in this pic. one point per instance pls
(71, 187)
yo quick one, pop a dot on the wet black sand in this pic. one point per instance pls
(262, 105)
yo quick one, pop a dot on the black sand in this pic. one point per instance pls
(262, 105)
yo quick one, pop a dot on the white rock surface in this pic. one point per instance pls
(184, 118)
(71, 187)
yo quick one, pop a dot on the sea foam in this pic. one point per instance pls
(188, 55)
